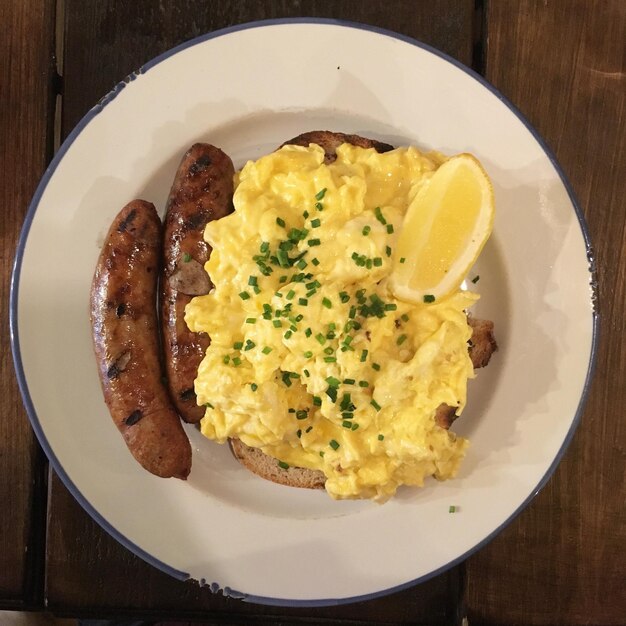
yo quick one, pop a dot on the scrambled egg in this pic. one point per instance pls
(312, 359)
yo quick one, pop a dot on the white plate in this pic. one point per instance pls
(247, 89)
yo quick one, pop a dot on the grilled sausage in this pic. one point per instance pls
(125, 338)
(202, 191)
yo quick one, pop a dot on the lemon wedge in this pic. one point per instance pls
(444, 231)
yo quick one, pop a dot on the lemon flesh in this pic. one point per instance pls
(444, 231)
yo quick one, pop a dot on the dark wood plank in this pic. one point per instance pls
(26, 73)
(562, 560)
(90, 574)
(87, 571)
(105, 41)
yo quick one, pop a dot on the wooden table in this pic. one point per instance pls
(562, 561)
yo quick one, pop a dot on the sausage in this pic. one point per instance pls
(202, 191)
(126, 342)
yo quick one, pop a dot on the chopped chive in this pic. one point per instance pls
(333, 382)
(315, 262)
(311, 293)
(391, 306)
(379, 215)
(368, 264)
(331, 392)
(280, 221)
(401, 339)
(265, 246)
(236, 361)
(244, 295)
(252, 281)
(238, 345)
(327, 303)
(366, 230)
(363, 356)
(301, 264)
(320, 339)
(306, 373)
(298, 433)
(346, 401)
(317, 401)
(349, 381)
(186, 257)
(303, 301)
(308, 332)
(282, 279)
(363, 383)
(299, 317)
(387, 250)
(378, 261)
(376, 366)
(277, 323)
(249, 345)
(381, 437)
(282, 258)
(319, 206)
(208, 405)
(290, 294)
(344, 297)
(283, 465)
(347, 415)
(254, 386)
(256, 289)
(403, 259)
(314, 242)
(305, 214)
(452, 509)
(320, 194)
(266, 350)
(301, 415)
(428, 298)
(308, 354)
(321, 453)
(330, 359)
(288, 334)
(316, 223)
(404, 317)
(226, 359)
(476, 279)
(390, 228)
(346, 424)
(250, 320)
(375, 404)
(333, 444)
(352, 312)
(328, 350)
(355, 426)
(286, 379)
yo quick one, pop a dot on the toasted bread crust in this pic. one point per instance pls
(267, 467)
(330, 141)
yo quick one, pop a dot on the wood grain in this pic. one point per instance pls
(26, 97)
(88, 573)
(562, 560)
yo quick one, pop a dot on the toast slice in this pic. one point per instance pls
(481, 346)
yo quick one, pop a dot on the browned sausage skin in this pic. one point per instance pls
(125, 338)
(202, 192)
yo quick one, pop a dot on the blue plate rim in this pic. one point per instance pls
(14, 296)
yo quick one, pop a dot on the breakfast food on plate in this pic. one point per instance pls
(125, 338)
(202, 191)
(317, 360)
